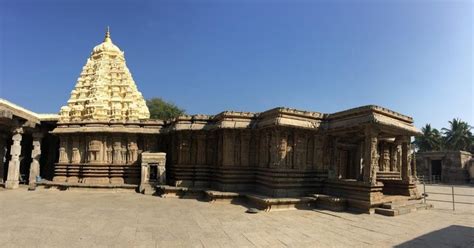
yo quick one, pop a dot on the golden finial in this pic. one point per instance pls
(107, 35)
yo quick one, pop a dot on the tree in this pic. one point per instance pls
(431, 139)
(458, 136)
(161, 109)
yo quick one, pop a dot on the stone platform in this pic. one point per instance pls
(84, 186)
(402, 207)
(392, 206)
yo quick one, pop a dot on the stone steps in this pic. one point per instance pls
(220, 196)
(402, 207)
(329, 202)
(268, 204)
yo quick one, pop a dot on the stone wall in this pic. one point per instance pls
(266, 160)
(101, 157)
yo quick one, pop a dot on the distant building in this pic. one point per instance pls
(444, 166)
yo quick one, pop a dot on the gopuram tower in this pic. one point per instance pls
(105, 125)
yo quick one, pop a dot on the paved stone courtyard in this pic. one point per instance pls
(51, 218)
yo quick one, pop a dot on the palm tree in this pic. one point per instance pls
(430, 140)
(458, 136)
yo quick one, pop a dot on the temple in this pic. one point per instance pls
(104, 138)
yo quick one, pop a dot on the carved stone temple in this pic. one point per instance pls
(362, 155)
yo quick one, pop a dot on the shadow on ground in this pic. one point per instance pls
(451, 236)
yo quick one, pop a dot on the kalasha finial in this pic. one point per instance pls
(107, 34)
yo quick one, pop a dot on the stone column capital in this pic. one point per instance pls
(17, 130)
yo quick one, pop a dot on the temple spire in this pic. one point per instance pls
(107, 35)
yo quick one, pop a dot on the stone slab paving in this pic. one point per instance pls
(51, 218)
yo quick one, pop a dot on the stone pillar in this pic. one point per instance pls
(3, 146)
(406, 169)
(14, 164)
(413, 168)
(371, 156)
(35, 155)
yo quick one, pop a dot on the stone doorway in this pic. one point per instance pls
(436, 169)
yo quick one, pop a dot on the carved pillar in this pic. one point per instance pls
(371, 156)
(406, 170)
(3, 144)
(14, 164)
(63, 147)
(35, 155)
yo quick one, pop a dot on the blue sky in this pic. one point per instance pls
(415, 57)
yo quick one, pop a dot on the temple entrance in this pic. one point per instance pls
(436, 169)
(353, 168)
